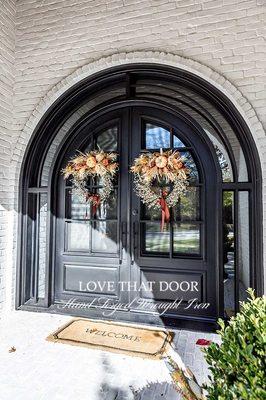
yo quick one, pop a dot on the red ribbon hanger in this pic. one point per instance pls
(164, 209)
(95, 199)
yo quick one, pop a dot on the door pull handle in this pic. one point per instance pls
(124, 234)
(134, 242)
(123, 243)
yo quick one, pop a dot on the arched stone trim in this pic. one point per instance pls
(211, 76)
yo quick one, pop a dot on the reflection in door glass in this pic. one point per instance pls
(78, 236)
(104, 236)
(78, 209)
(155, 241)
(188, 207)
(177, 142)
(186, 239)
(107, 140)
(244, 244)
(156, 137)
(108, 209)
(191, 165)
(152, 214)
(225, 164)
(228, 253)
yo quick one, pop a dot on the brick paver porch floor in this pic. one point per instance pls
(40, 370)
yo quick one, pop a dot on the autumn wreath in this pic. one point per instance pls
(160, 178)
(96, 163)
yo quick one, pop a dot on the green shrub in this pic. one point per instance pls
(238, 364)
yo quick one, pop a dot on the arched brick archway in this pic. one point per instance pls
(150, 58)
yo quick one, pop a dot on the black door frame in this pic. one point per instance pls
(55, 117)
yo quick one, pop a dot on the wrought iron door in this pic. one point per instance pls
(123, 241)
(91, 249)
(179, 264)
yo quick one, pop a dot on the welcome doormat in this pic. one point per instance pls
(116, 337)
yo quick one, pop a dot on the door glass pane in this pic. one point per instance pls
(156, 137)
(78, 236)
(108, 209)
(79, 209)
(244, 244)
(98, 180)
(228, 253)
(31, 242)
(104, 236)
(107, 140)
(186, 239)
(89, 146)
(242, 166)
(152, 214)
(42, 245)
(155, 241)
(188, 207)
(76, 207)
(224, 162)
(191, 165)
(177, 142)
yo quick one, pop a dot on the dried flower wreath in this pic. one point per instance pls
(165, 169)
(94, 163)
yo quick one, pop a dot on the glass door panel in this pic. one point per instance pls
(186, 239)
(107, 140)
(183, 238)
(104, 237)
(229, 252)
(183, 249)
(156, 137)
(95, 232)
(154, 241)
(78, 236)
(188, 206)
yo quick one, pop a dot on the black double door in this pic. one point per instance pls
(120, 255)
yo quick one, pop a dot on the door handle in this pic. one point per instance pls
(134, 241)
(123, 239)
(124, 234)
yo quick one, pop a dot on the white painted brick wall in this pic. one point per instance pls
(56, 37)
(7, 137)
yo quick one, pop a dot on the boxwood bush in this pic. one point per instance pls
(238, 364)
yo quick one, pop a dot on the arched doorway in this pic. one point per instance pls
(208, 242)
